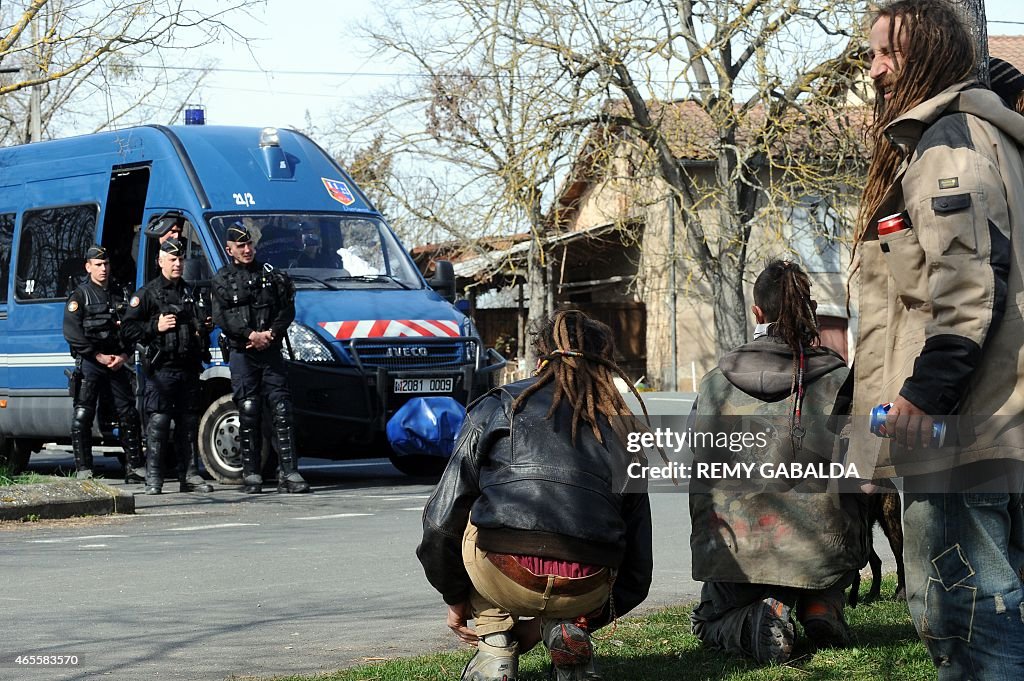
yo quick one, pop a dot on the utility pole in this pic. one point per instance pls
(35, 130)
(673, 292)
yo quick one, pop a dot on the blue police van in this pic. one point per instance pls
(369, 335)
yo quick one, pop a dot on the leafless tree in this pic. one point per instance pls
(766, 75)
(769, 77)
(101, 64)
(482, 137)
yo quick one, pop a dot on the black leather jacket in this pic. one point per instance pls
(531, 492)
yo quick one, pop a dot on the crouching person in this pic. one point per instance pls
(767, 548)
(527, 521)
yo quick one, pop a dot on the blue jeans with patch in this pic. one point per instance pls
(964, 555)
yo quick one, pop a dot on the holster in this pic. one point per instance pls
(150, 360)
(225, 348)
(74, 379)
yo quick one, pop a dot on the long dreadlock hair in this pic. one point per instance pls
(932, 51)
(783, 292)
(576, 356)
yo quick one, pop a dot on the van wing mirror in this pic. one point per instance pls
(443, 280)
(194, 272)
(160, 225)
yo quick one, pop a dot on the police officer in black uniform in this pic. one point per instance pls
(253, 304)
(92, 321)
(169, 318)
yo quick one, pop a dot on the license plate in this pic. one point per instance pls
(424, 385)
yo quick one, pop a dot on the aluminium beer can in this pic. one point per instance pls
(877, 425)
(891, 223)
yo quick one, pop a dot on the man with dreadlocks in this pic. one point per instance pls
(763, 552)
(527, 521)
(941, 333)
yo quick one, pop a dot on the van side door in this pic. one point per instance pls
(7, 219)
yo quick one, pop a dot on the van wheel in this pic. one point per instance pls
(218, 441)
(419, 465)
(15, 453)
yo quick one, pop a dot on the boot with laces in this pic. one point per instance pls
(572, 652)
(496, 659)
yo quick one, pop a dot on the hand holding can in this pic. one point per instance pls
(877, 425)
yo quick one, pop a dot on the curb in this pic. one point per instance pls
(63, 499)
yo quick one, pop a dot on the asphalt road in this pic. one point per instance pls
(203, 587)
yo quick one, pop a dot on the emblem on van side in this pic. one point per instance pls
(339, 191)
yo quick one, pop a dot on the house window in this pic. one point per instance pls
(816, 226)
(51, 253)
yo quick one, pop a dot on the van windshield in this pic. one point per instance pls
(327, 251)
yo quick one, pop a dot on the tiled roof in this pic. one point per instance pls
(1008, 47)
(691, 131)
(692, 135)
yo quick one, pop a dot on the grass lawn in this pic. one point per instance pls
(7, 479)
(659, 647)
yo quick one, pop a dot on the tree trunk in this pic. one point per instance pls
(730, 309)
(537, 302)
(734, 215)
(973, 12)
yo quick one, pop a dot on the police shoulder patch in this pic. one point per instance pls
(134, 302)
(73, 306)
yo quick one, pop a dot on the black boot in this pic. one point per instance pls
(187, 447)
(81, 443)
(131, 443)
(157, 432)
(249, 446)
(288, 479)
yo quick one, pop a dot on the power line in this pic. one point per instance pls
(283, 72)
(1000, 21)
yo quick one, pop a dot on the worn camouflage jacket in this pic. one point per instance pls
(791, 532)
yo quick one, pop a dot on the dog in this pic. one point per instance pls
(885, 509)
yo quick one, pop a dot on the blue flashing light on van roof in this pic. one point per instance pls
(195, 115)
(370, 334)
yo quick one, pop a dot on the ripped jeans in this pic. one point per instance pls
(964, 555)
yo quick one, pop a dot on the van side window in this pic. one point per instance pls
(6, 239)
(51, 252)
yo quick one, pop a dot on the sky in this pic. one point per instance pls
(311, 61)
(295, 62)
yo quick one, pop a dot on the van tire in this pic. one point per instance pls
(419, 465)
(15, 453)
(218, 441)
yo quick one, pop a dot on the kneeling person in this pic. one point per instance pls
(164, 316)
(762, 553)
